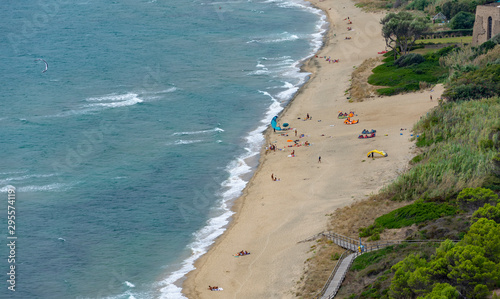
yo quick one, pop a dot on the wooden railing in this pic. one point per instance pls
(334, 293)
(327, 284)
(353, 245)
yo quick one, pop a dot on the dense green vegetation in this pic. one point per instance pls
(406, 74)
(415, 213)
(461, 140)
(449, 8)
(468, 269)
(401, 30)
(455, 181)
(474, 72)
(462, 20)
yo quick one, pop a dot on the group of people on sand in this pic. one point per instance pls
(333, 60)
(272, 147)
(214, 288)
(348, 37)
(243, 252)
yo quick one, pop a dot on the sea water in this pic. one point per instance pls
(127, 152)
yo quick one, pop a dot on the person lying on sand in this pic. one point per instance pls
(214, 288)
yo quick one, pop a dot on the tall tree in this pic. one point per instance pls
(401, 30)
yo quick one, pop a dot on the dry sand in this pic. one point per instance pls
(271, 217)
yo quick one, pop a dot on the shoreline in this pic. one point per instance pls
(269, 218)
(251, 159)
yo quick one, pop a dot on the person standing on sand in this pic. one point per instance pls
(272, 176)
(295, 133)
(431, 97)
(319, 159)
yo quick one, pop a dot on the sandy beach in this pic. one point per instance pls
(273, 216)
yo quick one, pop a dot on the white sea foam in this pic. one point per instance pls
(129, 284)
(25, 177)
(288, 93)
(113, 101)
(216, 129)
(96, 104)
(55, 187)
(179, 142)
(234, 185)
(278, 38)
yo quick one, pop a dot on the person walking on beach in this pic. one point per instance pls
(295, 133)
(319, 159)
(272, 176)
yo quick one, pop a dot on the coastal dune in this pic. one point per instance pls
(273, 216)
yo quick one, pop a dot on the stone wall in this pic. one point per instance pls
(487, 23)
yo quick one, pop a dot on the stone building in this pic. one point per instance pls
(487, 23)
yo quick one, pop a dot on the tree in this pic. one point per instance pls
(401, 30)
(474, 198)
(407, 282)
(442, 291)
(451, 8)
(462, 20)
(487, 211)
(468, 268)
(485, 234)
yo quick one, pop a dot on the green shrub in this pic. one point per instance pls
(370, 230)
(335, 257)
(416, 159)
(462, 20)
(414, 214)
(488, 211)
(370, 258)
(453, 160)
(418, 5)
(473, 198)
(481, 83)
(409, 59)
(408, 72)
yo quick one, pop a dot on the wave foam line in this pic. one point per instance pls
(216, 129)
(113, 101)
(179, 142)
(29, 176)
(282, 37)
(56, 187)
(233, 187)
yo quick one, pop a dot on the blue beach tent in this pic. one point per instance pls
(274, 124)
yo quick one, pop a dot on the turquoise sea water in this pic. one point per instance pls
(127, 152)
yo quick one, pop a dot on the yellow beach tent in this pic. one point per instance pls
(378, 152)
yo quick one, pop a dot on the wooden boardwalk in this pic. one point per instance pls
(353, 250)
(335, 280)
(339, 276)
